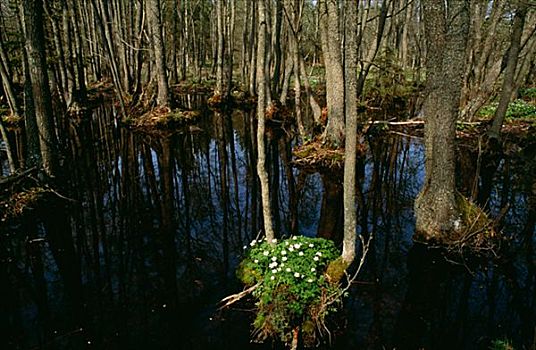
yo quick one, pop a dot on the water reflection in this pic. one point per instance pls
(158, 224)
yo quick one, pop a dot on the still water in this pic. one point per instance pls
(147, 245)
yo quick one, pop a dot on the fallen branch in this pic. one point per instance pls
(408, 122)
(16, 177)
(231, 299)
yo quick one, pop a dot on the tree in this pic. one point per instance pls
(509, 74)
(154, 16)
(262, 87)
(446, 34)
(331, 49)
(35, 47)
(349, 197)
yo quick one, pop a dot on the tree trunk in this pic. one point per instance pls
(350, 145)
(509, 74)
(221, 48)
(154, 17)
(446, 33)
(35, 46)
(262, 87)
(331, 49)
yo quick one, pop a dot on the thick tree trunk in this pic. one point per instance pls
(35, 46)
(331, 49)
(509, 74)
(154, 17)
(446, 32)
(262, 87)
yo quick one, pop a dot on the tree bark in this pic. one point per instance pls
(35, 46)
(262, 87)
(509, 74)
(447, 25)
(331, 49)
(350, 146)
(154, 17)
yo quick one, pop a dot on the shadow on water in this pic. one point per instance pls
(160, 223)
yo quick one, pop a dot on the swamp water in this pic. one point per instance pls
(159, 225)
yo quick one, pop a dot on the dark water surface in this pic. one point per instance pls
(158, 225)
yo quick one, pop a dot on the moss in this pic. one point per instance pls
(473, 218)
(336, 270)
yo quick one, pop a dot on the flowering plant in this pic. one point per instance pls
(291, 284)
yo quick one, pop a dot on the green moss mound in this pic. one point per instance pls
(294, 292)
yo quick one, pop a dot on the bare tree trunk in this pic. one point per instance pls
(509, 74)
(154, 17)
(261, 109)
(350, 145)
(447, 25)
(331, 49)
(221, 48)
(35, 46)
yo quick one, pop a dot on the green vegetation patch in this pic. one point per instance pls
(517, 109)
(293, 292)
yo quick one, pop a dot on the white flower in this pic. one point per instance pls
(297, 246)
(245, 247)
(287, 269)
(319, 253)
(311, 245)
(283, 252)
(313, 269)
(284, 258)
(274, 258)
(300, 253)
(265, 253)
(296, 274)
(279, 269)
(294, 237)
(290, 249)
(256, 261)
(272, 278)
(272, 265)
(316, 258)
(302, 276)
(282, 264)
(274, 240)
(286, 242)
(253, 243)
(309, 280)
(274, 271)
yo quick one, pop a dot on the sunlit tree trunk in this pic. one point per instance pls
(331, 49)
(349, 196)
(509, 74)
(446, 32)
(262, 87)
(154, 17)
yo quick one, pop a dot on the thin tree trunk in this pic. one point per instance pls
(509, 74)
(261, 108)
(350, 146)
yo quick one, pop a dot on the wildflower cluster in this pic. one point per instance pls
(291, 279)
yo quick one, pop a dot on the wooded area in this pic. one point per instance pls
(328, 71)
(56, 52)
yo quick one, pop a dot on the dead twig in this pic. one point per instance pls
(231, 299)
